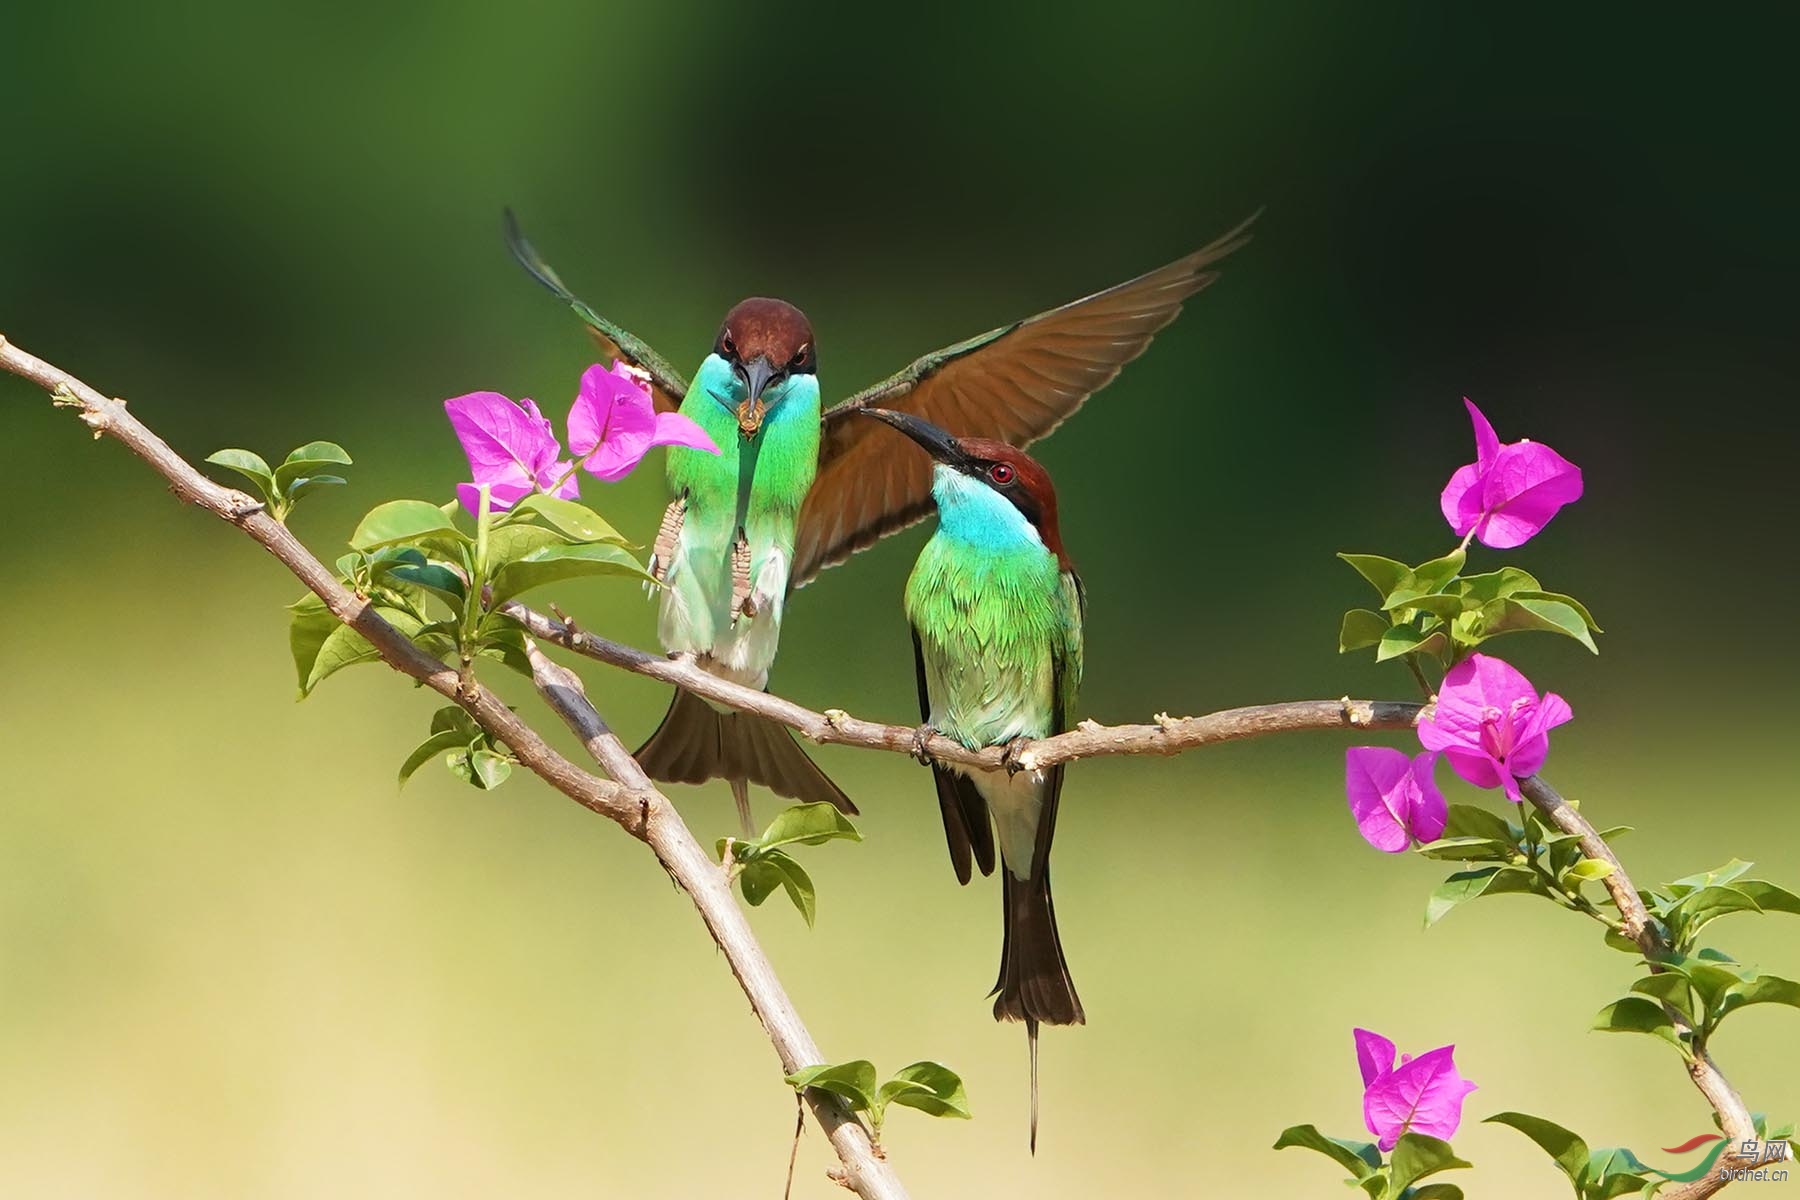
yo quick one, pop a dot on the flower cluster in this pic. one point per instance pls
(1488, 721)
(513, 451)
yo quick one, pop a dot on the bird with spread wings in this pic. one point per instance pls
(1012, 384)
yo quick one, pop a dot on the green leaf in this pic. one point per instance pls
(308, 460)
(430, 748)
(251, 466)
(1435, 1191)
(1425, 579)
(1734, 869)
(1360, 630)
(1620, 1183)
(1468, 820)
(319, 452)
(1404, 639)
(1361, 1159)
(1569, 1151)
(403, 521)
(929, 1087)
(1469, 849)
(455, 717)
(306, 485)
(435, 578)
(773, 869)
(1699, 908)
(344, 647)
(308, 628)
(490, 769)
(1763, 989)
(462, 768)
(1418, 1155)
(507, 646)
(509, 543)
(1513, 615)
(1613, 1171)
(1444, 605)
(577, 520)
(808, 825)
(1638, 1014)
(1587, 870)
(1620, 942)
(1710, 972)
(322, 645)
(1465, 886)
(1387, 575)
(554, 564)
(1672, 990)
(1767, 1132)
(1507, 581)
(854, 1082)
(1769, 897)
(1558, 598)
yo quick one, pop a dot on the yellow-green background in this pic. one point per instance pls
(235, 961)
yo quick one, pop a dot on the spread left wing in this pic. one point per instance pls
(1015, 383)
(667, 386)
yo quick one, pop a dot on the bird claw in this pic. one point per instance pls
(920, 736)
(1013, 757)
(662, 553)
(743, 599)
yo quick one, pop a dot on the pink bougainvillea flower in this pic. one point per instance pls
(1393, 798)
(614, 424)
(1509, 492)
(1419, 1095)
(511, 448)
(1491, 724)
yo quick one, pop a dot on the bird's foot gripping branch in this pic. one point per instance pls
(434, 590)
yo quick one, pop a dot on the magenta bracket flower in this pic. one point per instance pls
(1394, 799)
(1417, 1095)
(1509, 493)
(511, 450)
(1491, 723)
(614, 424)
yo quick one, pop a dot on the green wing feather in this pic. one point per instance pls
(666, 383)
(1016, 384)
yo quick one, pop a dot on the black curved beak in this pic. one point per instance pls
(940, 445)
(755, 375)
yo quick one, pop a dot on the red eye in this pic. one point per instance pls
(1001, 473)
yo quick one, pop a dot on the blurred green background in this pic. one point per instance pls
(234, 961)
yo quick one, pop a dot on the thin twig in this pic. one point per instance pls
(1166, 735)
(632, 802)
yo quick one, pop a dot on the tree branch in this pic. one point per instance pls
(1636, 924)
(564, 692)
(835, 727)
(631, 801)
(1169, 735)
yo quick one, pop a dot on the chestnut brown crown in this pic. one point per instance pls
(761, 327)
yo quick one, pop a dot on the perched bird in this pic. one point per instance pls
(996, 610)
(798, 489)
